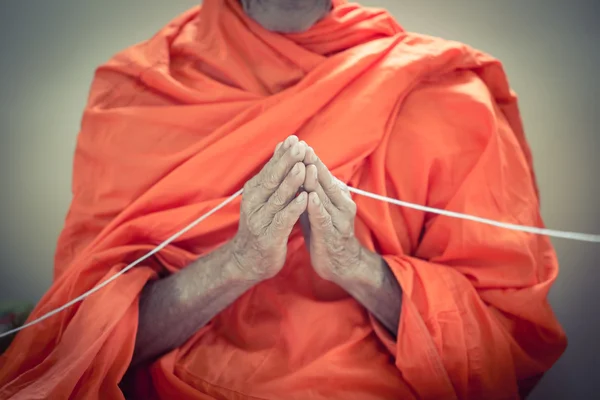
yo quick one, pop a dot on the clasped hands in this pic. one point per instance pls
(293, 186)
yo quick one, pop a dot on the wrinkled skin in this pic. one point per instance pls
(286, 16)
(328, 223)
(270, 209)
(295, 182)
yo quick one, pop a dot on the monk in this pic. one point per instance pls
(296, 290)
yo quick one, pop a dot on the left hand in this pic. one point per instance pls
(328, 223)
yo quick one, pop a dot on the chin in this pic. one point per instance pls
(286, 16)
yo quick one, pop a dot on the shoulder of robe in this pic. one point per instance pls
(450, 115)
(119, 81)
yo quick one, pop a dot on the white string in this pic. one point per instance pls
(127, 268)
(584, 237)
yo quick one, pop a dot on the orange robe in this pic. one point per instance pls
(178, 123)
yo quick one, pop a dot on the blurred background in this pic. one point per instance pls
(49, 50)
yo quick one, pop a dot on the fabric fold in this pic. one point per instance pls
(475, 320)
(176, 124)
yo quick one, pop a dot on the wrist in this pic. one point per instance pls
(241, 266)
(365, 272)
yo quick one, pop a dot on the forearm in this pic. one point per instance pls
(374, 285)
(172, 309)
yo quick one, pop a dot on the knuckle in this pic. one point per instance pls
(285, 187)
(325, 221)
(300, 175)
(326, 202)
(294, 155)
(270, 182)
(279, 221)
(288, 159)
(278, 199)
(346, 228)
(255, 226)
(248, 201)
(331, 187)
(334, 187)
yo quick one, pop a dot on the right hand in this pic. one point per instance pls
(269, 211)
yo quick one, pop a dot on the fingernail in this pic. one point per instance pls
(296, 150)
(316, 200)
(286, 143)
(278, 147)
(296, 169)
(301, 197)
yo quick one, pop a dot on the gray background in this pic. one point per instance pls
(49, 50)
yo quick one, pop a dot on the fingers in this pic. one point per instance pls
(277, 168)
(317, 173)
(330, 190)
(341, 219)
(284, 220)
(326, 201)
(310, 156)
(284, 146)
(275, 171)
(287, 190)
(321, 211)
(330, 185)
(321, 222)
(330, 205)
(311, 180)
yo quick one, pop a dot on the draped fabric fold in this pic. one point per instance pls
(178, 123)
